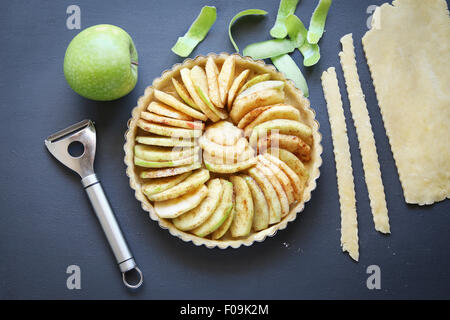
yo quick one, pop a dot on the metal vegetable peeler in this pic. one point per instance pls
(58, 144)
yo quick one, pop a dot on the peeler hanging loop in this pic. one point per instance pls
(133, 286)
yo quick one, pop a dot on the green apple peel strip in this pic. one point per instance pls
(239, 15)
(269, 48)
(286, 8)
(298, 33)
(196, 33)
(318, 19)
(289, 68)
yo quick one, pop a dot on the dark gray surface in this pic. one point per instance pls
(46, 222)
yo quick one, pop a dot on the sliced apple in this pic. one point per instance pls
(199, 79)
(293, 162)
(276, 112)
(163, 164)
(166, 130)
(223, 151)
(176, 207)
(283, 126)
(184, 94)
(229, 168)
(229, 158)
(178, 105)
(188, 81)
(166, 111)
(269, 193)
(297, 183)
(200, 82)
(284, 202)
(195, 217)
(262, 86)
(226, 77)
(162, 184)
(222, 230)
(243, 105)
(218, 112)
(261, 208)
(195, 180)
(165, 141)
(212, 74)
(290, 143)
(281, 177)
(220, 214)
(169, 172)
(152, 153)
(223, 133)
(252, 115)
(236, 85)
(152, 117)
(244, 211)
(253, 81)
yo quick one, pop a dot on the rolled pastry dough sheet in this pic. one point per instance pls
(407, 51)
(366, 140)
(344, 171)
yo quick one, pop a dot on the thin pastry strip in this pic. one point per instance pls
(366, 140)
(344, 171)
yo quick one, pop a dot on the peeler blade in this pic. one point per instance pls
(59, 142)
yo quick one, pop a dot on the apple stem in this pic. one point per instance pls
(135, 63)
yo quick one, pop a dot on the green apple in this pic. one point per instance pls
(101, 63)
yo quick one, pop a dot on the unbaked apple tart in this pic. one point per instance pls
(223, 150)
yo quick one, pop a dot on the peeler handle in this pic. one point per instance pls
(111, 228)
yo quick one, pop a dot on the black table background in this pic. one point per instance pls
(46, 222)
